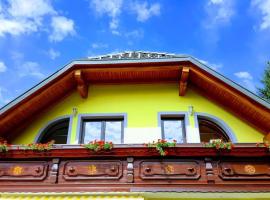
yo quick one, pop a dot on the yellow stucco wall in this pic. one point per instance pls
(141, 102)
(136, 196)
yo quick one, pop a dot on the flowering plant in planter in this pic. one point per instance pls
(264, 144)
(160, 146)
(98, 145)
(4, 146)
(39, 146)
(218, 144)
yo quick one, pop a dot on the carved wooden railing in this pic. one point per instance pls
(136, 168)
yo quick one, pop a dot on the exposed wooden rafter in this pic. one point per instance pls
(183, 82)
(82, 86)
(23, 113)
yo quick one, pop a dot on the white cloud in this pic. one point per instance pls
(246, 79)
(30, 69)
(99, 46)
(135, 34)
(23, 16)
(243, 75)
(264, 8)
(32, 9)
(53, 54)
(219, 12)
(3, 67)
(17, 27)
(214, 66)
(112, 8)
(145, 11)
(62, 27)
(19, 17)
(17, 56)
(216, 1)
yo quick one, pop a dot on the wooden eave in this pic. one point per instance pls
(23, 112)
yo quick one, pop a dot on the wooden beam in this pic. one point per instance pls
(82, 86)
(183, 81)
(233, 100)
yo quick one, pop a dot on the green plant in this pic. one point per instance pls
(218, 144)
(264, 92)
(39, 146)
(4, 146)
(160, 146)
(98, 145)
(264, 144)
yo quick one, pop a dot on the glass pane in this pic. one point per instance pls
(173, 130)
(57, 132)
(92, 131)
(209, 130)
(113, 131)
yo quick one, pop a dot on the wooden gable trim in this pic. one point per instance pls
(23, 114)
(82, 86)
(183, 81)
(235, 101)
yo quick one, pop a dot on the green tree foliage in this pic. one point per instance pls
(265, 91)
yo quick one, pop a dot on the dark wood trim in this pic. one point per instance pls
(182, 150)
(127, 168)
(183, 81)
(82, 86)
(234, 101)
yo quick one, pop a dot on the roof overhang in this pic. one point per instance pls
(232, 96)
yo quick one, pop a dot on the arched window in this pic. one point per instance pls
(57, 131)
(210, 130)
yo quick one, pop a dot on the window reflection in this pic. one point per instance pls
(108, 130)
(113, 131)
(92, 131)
(173, 129)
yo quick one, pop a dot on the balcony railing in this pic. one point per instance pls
(187, 167)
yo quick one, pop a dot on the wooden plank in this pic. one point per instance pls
(183, 81)
(231, 99)
(82, 86)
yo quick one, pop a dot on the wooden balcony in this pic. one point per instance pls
(135, 168)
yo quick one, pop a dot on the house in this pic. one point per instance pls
(132, 98)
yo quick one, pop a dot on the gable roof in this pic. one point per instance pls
(137, 66)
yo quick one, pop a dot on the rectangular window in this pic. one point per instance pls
(102, 129)
(173, 129)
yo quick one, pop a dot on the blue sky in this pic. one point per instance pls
(37, 37)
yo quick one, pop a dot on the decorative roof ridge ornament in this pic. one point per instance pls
(132, 55)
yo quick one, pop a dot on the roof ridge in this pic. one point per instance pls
(131, 55)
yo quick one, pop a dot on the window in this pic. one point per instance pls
(173, 128)
(57, 131)
(103, 129)
(210, 130)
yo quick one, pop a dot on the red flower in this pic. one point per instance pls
(166, 152)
